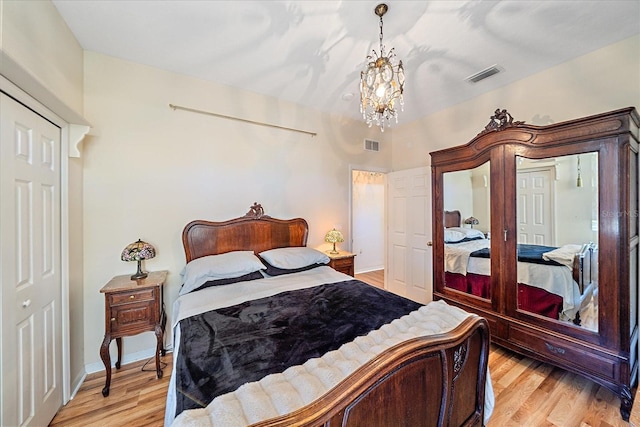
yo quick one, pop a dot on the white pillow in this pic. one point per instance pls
(294, 257)
(456, 234)
(222, 266)
(452, 236)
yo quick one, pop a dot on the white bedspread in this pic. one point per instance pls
(456, 256)
(299, 385)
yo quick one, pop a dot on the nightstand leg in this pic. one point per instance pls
(159, 349)
(119, 345)
(106, 359)
(163, 322)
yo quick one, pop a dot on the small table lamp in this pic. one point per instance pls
(137, 251)
(471, 221)
(334, 236)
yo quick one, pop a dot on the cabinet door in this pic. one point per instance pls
(467, 232)
(555, 239)
(464, 235)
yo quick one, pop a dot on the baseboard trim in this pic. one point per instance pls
(127, 358)
(368, 270)
(79, 381)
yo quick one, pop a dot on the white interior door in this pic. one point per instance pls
(535, 196)
(409, 255)
(31, 344)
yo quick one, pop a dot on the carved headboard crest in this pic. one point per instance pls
(500, 120)
(256, 211)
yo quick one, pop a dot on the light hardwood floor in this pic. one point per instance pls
(528, 393)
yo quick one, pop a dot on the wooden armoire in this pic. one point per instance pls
(564, 185)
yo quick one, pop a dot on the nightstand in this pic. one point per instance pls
(342, 262)
(132, 307)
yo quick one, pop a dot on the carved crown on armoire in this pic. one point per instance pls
(552, 258)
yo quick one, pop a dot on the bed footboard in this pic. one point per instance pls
(437, 380)
(585, 266)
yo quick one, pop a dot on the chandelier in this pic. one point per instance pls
(381, 84)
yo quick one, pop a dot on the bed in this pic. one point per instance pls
(552, 282)
(424, 365)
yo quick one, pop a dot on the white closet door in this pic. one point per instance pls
(31, 356)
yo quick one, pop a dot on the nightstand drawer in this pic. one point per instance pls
(132, 296)
(340, 264)
(132, 316)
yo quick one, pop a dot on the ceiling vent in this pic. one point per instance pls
(481, 75)
(371, 145)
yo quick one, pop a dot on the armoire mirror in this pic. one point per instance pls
(557, 238)
(467, 221)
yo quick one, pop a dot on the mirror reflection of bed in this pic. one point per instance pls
(557, 242)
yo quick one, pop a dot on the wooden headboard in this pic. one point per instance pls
(451, 219)
(253, 232)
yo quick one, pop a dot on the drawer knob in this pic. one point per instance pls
(113, 319)
(132, 297)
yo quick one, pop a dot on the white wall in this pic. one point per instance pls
(458, 193)
(601, 81)
(481, 185)
(35, 36)
(576, 208)
(149, 170)
(465, 191)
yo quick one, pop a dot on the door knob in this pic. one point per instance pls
(26, 303)
(429, 243)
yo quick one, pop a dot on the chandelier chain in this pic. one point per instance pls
(381, 47)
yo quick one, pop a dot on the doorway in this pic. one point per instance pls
(368, 220)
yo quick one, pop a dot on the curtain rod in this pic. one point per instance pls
(193, 110)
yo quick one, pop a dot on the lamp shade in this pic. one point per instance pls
(138, 251)
(334, 236)
(471, 221)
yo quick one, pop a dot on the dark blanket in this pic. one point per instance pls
(526, 253)
(222, 349)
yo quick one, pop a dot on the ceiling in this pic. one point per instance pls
(312, 52)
